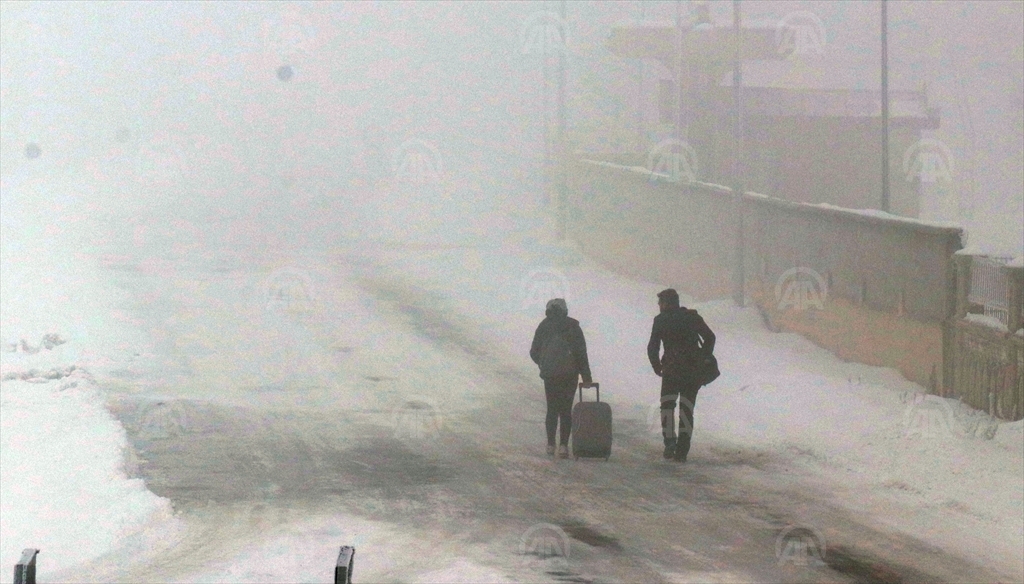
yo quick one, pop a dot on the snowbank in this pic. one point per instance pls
(65, 477)
(66, 483)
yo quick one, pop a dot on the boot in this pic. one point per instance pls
(551, 449)
(682, 449)
(670, 448)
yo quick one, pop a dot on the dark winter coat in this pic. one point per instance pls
(558, 322)
(687, 339)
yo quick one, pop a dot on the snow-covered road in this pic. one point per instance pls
(305, 390)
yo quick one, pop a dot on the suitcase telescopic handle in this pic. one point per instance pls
(597, 388)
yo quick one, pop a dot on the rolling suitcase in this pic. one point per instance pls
(591, 427)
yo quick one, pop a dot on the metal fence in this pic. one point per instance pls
(988, 287)
(988, 360)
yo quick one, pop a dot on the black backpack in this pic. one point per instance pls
(556, 356)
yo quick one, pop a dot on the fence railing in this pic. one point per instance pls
(987, 354)
(988, 288)
(987, 370)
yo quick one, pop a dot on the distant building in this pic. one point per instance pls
(812, 125)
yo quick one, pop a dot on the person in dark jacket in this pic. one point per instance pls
(686, 339)
(557, 331)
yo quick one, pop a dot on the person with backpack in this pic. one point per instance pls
(689, 346)
(560, 351)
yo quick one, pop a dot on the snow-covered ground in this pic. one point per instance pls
(930, 466)
(64, 460)
(923, 466)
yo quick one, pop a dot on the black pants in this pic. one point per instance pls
(560, 393)
(685, 392)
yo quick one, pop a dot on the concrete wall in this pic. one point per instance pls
(886, 293)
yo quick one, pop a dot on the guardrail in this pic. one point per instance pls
(25, 570)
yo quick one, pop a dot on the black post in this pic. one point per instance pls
(25, 569)
(885, 108)
(562, 155)
(737, 161)
(343, 567)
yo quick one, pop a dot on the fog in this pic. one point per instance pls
(270, 272)
(181, 76)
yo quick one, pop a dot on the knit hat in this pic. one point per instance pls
(556, 305)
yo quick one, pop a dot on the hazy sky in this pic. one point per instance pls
(73, 74)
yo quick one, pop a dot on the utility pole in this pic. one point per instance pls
(563, 157)
(545, 120)
(885, 108)
(640, 92)
(737, 161)
(677, 111)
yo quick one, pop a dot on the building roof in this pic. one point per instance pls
(775, 84)
(838, 103)
(817, 73)
(819, 87)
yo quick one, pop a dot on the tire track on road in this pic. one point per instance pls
(748, 494)
(476, 488)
